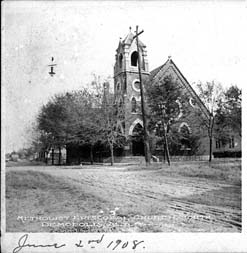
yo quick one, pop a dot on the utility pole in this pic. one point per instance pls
(144, 118)
(166, 150)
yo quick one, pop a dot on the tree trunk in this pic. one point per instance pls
(147, 150)
(52, 156)
(164, 152)
(112, 154)
(46, 157)
(59, 156)
(166, 149)
(211, 126)
(91, 154)
(210, 148)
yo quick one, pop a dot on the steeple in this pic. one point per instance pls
(126, 80)
(126, 54)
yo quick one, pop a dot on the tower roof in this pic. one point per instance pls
(129, 39)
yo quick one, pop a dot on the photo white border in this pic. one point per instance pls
(154, 242)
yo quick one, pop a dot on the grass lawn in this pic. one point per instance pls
(185, 197)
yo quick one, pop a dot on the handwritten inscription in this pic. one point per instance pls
(112, 245)
(22, 243)
(124, 245)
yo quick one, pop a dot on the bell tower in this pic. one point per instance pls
(126, 83)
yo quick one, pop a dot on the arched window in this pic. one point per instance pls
(118, 86)
(120, 61)
(134, 58)
(133, 105)
(184, 129)
(185, 139)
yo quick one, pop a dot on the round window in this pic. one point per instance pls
(136, 85)
(192, 102)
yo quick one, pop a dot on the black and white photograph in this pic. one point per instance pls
(122, 126)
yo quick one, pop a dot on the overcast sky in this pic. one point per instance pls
(207, 40)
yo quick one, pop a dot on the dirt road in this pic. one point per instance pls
(183, 198)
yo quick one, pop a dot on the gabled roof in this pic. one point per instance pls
(155, 75)
(156, 70)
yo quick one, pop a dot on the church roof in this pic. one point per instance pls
(156, 70)
(154, 74)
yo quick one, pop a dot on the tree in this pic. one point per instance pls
(82, 117)
(229, 111)
(52, 123)
(110, 114)
(183, 142)
(210, 93)
(84, 122)
(164, 99)
(68, 118)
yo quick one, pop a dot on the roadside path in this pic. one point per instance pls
(187, 203)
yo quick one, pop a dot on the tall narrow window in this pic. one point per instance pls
(118, 86)
(231, 142)
(134, 58)
(143, 63)
(218, 143)
(124, 86)
(133, 105)
(120, 61)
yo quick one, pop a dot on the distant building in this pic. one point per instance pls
(228, 147)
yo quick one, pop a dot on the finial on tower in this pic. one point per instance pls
(169, 57)
(130, 28)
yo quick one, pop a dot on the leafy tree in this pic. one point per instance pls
(68, 118)
(164, 107)
(81, 117)
(210, 93)
(229, 112)
(183, 142)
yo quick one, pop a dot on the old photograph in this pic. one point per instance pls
(122, 117)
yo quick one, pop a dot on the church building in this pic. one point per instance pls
(192, 136)
(127, 96)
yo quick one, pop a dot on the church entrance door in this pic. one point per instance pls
(137, 141)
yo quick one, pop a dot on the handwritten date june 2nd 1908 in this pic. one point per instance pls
(23, 243)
